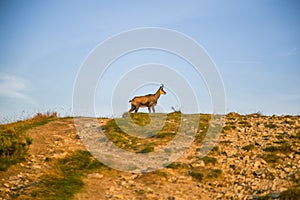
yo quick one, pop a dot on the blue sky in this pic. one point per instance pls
(255, 45)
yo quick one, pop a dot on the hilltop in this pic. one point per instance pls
(255, 157)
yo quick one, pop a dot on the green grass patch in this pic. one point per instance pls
(245, 123)
(225, 142)
(65, 179)
(202, 127)
(228, 128)
(270, 125)
(285, 148)
(232, 116)
(176, 165)
(270, 148)
(140, 191)
(209, 160)
(248, 147)
(214, 150)
(147, 149)
(289, 121)
(14, 142)
(214, 173)
(202, 174)
(141, 119)
(163, 134)
(125, 138)
(204, 122)
(157, 129)
(197, 175)
(271, 157)
(160, 173)
(291, 193)
(296, 177)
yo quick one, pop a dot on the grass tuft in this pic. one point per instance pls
(126, 140)
(147, 149)
(176, 165)
(214, 173)
(65, 179)
(270, 125)
(271, 157)
(285, 148)
(248, 147)
(205, 174)
(197, 175)
(225, 142)
(14, 143)
(245, 123)
(209, 160)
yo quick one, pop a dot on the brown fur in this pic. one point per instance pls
(149, 100)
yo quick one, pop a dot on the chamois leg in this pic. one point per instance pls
(149, 109)
(153, 109)
(132, 108)
(137, 108)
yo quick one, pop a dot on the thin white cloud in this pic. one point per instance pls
(15, 88)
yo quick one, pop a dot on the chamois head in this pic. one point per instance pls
(161, 89)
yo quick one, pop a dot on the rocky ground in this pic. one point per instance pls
(255, 156)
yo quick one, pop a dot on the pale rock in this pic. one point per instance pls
(118, 196)
(36, 166)
(239, 188)
(134, 176)
(281, 189)
(246, 158)
(111, 188)
(95, 176)
(199, 163)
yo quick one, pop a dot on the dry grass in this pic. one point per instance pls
(65, 179)
(13, 140)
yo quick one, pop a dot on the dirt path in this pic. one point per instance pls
(50, 141)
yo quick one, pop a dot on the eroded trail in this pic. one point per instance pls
(51, 141)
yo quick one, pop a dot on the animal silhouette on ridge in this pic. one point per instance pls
(149, 100)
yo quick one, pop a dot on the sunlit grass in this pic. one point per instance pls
(65, 179)
(209, 160)
(202, 174)
(248, 147)
(14, 142)
(285, 148)
(124, 132)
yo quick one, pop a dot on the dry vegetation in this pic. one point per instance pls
(13, 140)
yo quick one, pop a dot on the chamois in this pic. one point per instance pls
(149, 100)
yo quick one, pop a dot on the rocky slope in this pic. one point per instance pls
(255, 157)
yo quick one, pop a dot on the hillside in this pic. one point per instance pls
(256, 157)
